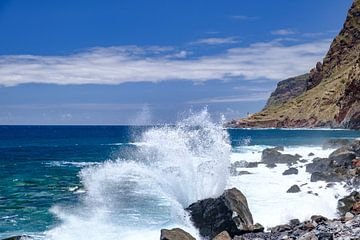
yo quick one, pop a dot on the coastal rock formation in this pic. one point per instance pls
(229, 212)
(329, 96)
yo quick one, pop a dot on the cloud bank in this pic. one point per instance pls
(116, 65)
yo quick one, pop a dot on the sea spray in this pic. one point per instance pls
(133, 198)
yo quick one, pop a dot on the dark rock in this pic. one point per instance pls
(294, 222)
(294, 189)
(318, 218)
(311, 154)
(279, 148)
(324, 176)
(336, 143)
(229, 212)
(342, 157)
(290, 171)
(318, 165)
(270, 165)
(345, 204)
(325, 236)
(273, 156)
(281, 228)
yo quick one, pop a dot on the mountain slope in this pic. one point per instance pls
(329, 96)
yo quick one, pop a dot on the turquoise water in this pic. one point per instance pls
(40, 168)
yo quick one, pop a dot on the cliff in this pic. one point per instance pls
(328, 96)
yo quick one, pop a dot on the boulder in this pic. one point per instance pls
(346, 203)
(175, 234)
(273, 156)
(290, 171)
(342, 157)
(318, 165)
(294, 189)
(229, 212)
(324, 176)
(224, 235)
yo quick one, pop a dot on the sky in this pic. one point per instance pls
(150, 62)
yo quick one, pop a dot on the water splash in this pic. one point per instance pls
(133, 198)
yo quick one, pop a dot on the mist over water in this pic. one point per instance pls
(133, 198)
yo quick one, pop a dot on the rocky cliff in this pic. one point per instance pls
(328, 96)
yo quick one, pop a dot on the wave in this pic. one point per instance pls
(134, 197)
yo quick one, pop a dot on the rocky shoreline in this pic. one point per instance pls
(228, 217)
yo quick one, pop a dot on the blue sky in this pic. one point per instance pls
(143, 62)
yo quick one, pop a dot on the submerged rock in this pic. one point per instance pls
(273, 156)
(229, 212)
(290, 171)
(294, 189)
(175, 234)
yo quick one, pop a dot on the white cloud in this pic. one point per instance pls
(283, 32)
(116, 65)
(216, 41)
(233, 99)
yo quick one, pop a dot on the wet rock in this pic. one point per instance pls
(346, 203)
(229, 212)
(290, 171)
(342, 157)
(318, 165)
(240, 173)
(336, 143)
(224, 235)
(175, 234)
(308, 236)
(356, 208)
(273, 156)
(294, 222)
(318, 218)
(294, 189)
(324, 176)
(311, 154)
(281, 228)
(271, 165)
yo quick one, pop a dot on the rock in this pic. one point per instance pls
(281, 228)
(290, 171)
(318, 165)
(273, 156)
(229, 212)
(311, 154)
(279, 148)
(348, 216)
(294, 189)
(294, 222)
(271, 165)
(175, 234)
(324, 176)
(318, 218)
(346, 203)
(342, 157)
(336, 143)
(356, 163)
(308, 236)
(356, 208)
(224, 235)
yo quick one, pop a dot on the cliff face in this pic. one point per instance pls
(329, 96)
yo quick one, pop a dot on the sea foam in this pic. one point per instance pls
(134, 198)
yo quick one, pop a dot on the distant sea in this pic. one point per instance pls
(128, 182)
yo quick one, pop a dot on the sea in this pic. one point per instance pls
(129, 182)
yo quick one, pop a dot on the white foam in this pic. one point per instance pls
(266, 188)
(134, 199)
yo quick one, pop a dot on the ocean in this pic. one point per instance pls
(128, 182)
